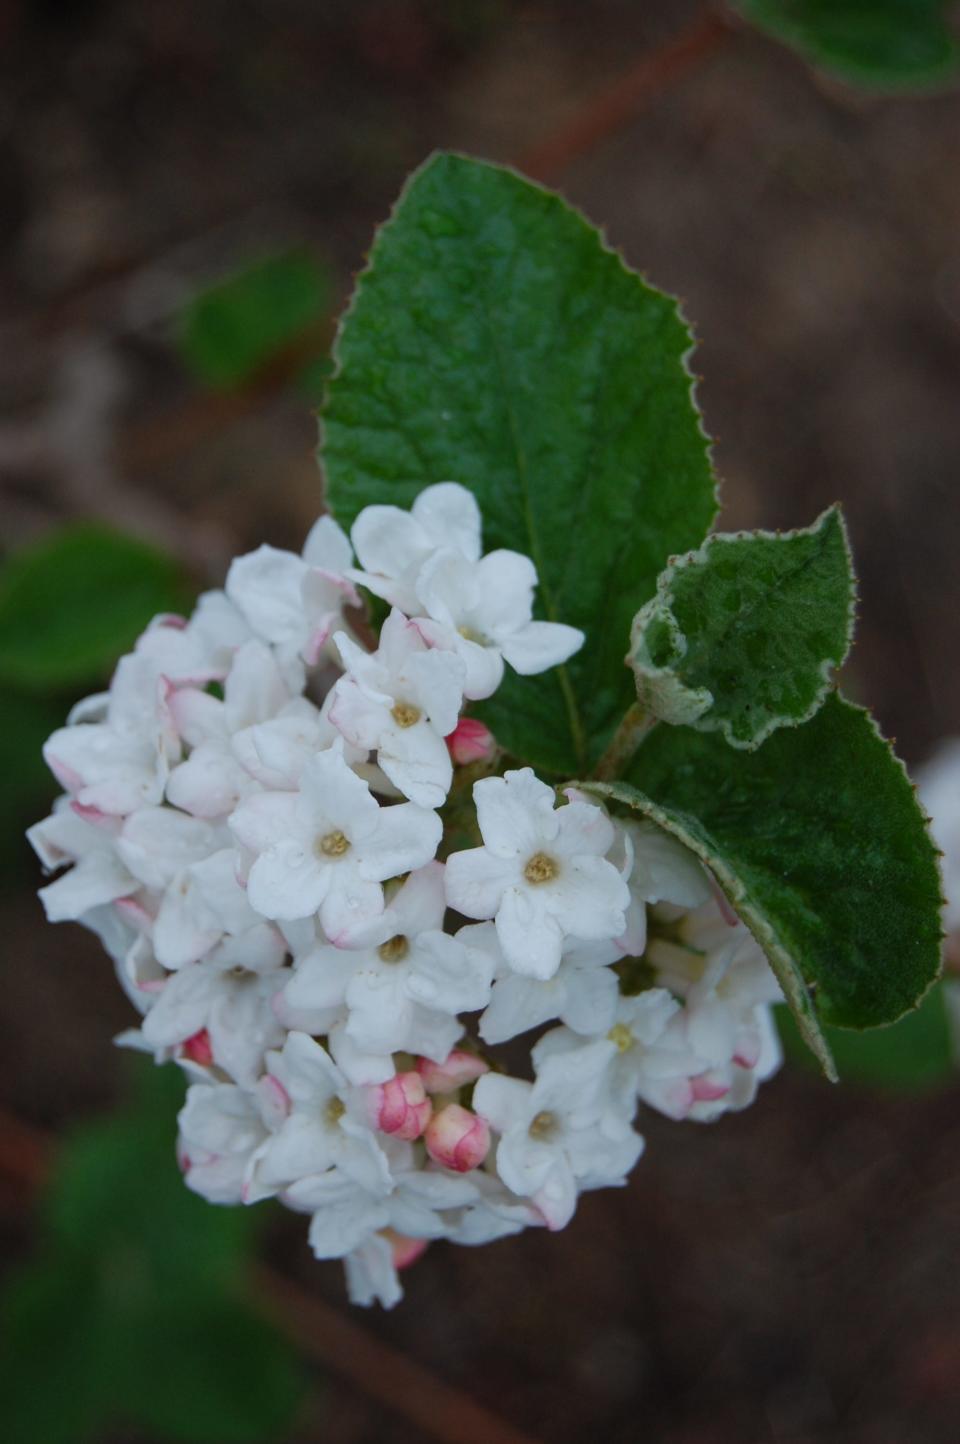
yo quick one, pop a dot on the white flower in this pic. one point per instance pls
(582, 992)
(401, 701)
(119, 761)
(939, 784)
(484, 613)
(295, 602)
(213, 779)
(541, 873)
(392, 545)
(330, 846)
(406, 986)
(88, 842)
(320, 1124)
(657, 868)
(200, 650)
(229, 995)
(559, 1132)
(221, 1131)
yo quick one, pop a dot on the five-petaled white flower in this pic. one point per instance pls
(329, 847)
(540, 874)
(401, 701)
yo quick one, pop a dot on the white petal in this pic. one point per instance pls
(266, 819)
(540, 645)
(517, 1004)
(504, 1102)
(516, 813)
(328, 546)
(530, 936)
(589, 898)
(287, 882)
(476, 881)
(505, 582)
(97, 879)
(449, 514)
(406, 838)
(583, 828)
(417, 761)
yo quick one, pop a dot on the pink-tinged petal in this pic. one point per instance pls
(457, 1139)
(538, 646)
(530, 936)
(476, 881)
(556, 1198)
(516, 813)
(275, 1102)
(104, 820)
(356, 715)
(450, 516)
(671, 1096)
(707, 1088)
(287, 882)
(133, 911)
(470, 741)
(405, 1250)
(456, 1071)
(406, 838)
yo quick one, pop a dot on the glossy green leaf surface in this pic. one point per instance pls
(495, 340)
(819, 843)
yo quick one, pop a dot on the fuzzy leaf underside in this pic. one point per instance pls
(892, 45)
(496, 341)
(744, 634)
(819, 844)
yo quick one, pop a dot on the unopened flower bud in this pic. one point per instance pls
(471, 741)
(457, 1070)
(457, 1138)
(198, 1049)
(405, 1250)
(400, 1106)
(707, 1089)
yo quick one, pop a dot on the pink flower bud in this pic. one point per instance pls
(457, 1138)
(707, 1089)
(471, 741)
(198, 1048)
(400, 1106)
(458, 1069)
(405, 1250)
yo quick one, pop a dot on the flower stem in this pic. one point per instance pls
(634, 726)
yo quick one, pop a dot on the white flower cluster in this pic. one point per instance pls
(252, 820)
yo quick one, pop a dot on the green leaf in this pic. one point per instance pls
(74, 602)
(744, 634)
(819, 843)
(232, 330)
(891, 45)
(27, 785)
(496, 341)
(140, 1297)
(915, 1053)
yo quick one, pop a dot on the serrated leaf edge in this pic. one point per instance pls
(691, 705)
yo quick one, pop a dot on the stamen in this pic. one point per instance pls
(332, 844)
(394, 950)
(541, 868)
(405, 714)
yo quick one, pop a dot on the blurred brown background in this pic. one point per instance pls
(789, 1275)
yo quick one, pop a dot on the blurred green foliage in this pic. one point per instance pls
(882, 45)
(70, 606)
(137, 1308)
(233, 329)
(914, 1054)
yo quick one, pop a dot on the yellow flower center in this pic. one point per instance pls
(394, 950)
(543, 1125)
(405, 714)
(540, 868)
(334, 1111)
(621, 1035)
(332, 844)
